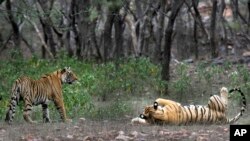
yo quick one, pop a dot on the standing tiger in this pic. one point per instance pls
(41, 91)
(165, 111)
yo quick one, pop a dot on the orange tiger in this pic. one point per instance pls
(35, 92)
(165, 111)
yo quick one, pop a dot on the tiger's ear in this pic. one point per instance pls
(65, 69)
(155, 105)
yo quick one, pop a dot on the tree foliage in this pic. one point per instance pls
(105, 30)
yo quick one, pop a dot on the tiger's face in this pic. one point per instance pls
(68, 76)
(153, 112)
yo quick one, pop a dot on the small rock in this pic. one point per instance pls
(82, 120)
(70, 136)
(246, 54)
(193, 134)
(134, 134)
(189, 61)
(161, 133)
(30, 137)
(87, 138)
(100, 139)
(2, 131)
(143, 134)
(200, 138)
(76, 127)
(121, 133)
(123, 138)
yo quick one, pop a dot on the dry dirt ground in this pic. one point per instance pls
(89, 130)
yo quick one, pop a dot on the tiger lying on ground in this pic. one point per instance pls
(165, 111)
(35, 92)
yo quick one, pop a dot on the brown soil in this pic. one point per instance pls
(90, 130)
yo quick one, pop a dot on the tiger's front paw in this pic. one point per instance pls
(138, 120)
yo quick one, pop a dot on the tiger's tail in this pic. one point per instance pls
(15, 96)
(243, 108)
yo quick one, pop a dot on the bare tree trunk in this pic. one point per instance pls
(44, 45)
(213, 42)
(28, 45)
(132, 26)
(196, 48)
(73, 23)
(68, 44)
(139, 27)
(1, 39)
(176, 6)
(48, 36)
(118, 35)
(236, 12)
(94, 40)
(83, 23)
(16, 33)
(144, 27)
(248, 6)
(234, 4)
(78, 35)
(181, 40)
(159, 35)
(197, 17)
(107, 34)
(223, 22)
(66, 21)
(46, 24)
(79, 24)
(248, 20)
(1, 1)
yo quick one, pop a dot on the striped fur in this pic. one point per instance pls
(165, 111)
(36, 92)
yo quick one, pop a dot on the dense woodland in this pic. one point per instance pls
(106, 30)
(126, 53)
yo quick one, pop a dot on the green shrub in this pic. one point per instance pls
(128, 77)
(119, 83)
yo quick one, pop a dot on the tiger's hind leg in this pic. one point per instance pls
(27, 111)
(11, 111)
(13, 103)
(45, 113)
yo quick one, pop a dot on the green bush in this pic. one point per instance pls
(117, 81)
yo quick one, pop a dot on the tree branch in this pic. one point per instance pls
(40, 36)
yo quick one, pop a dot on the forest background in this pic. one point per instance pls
(126, 53)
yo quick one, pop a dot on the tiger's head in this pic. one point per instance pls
(68, 76)
(153, 113)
